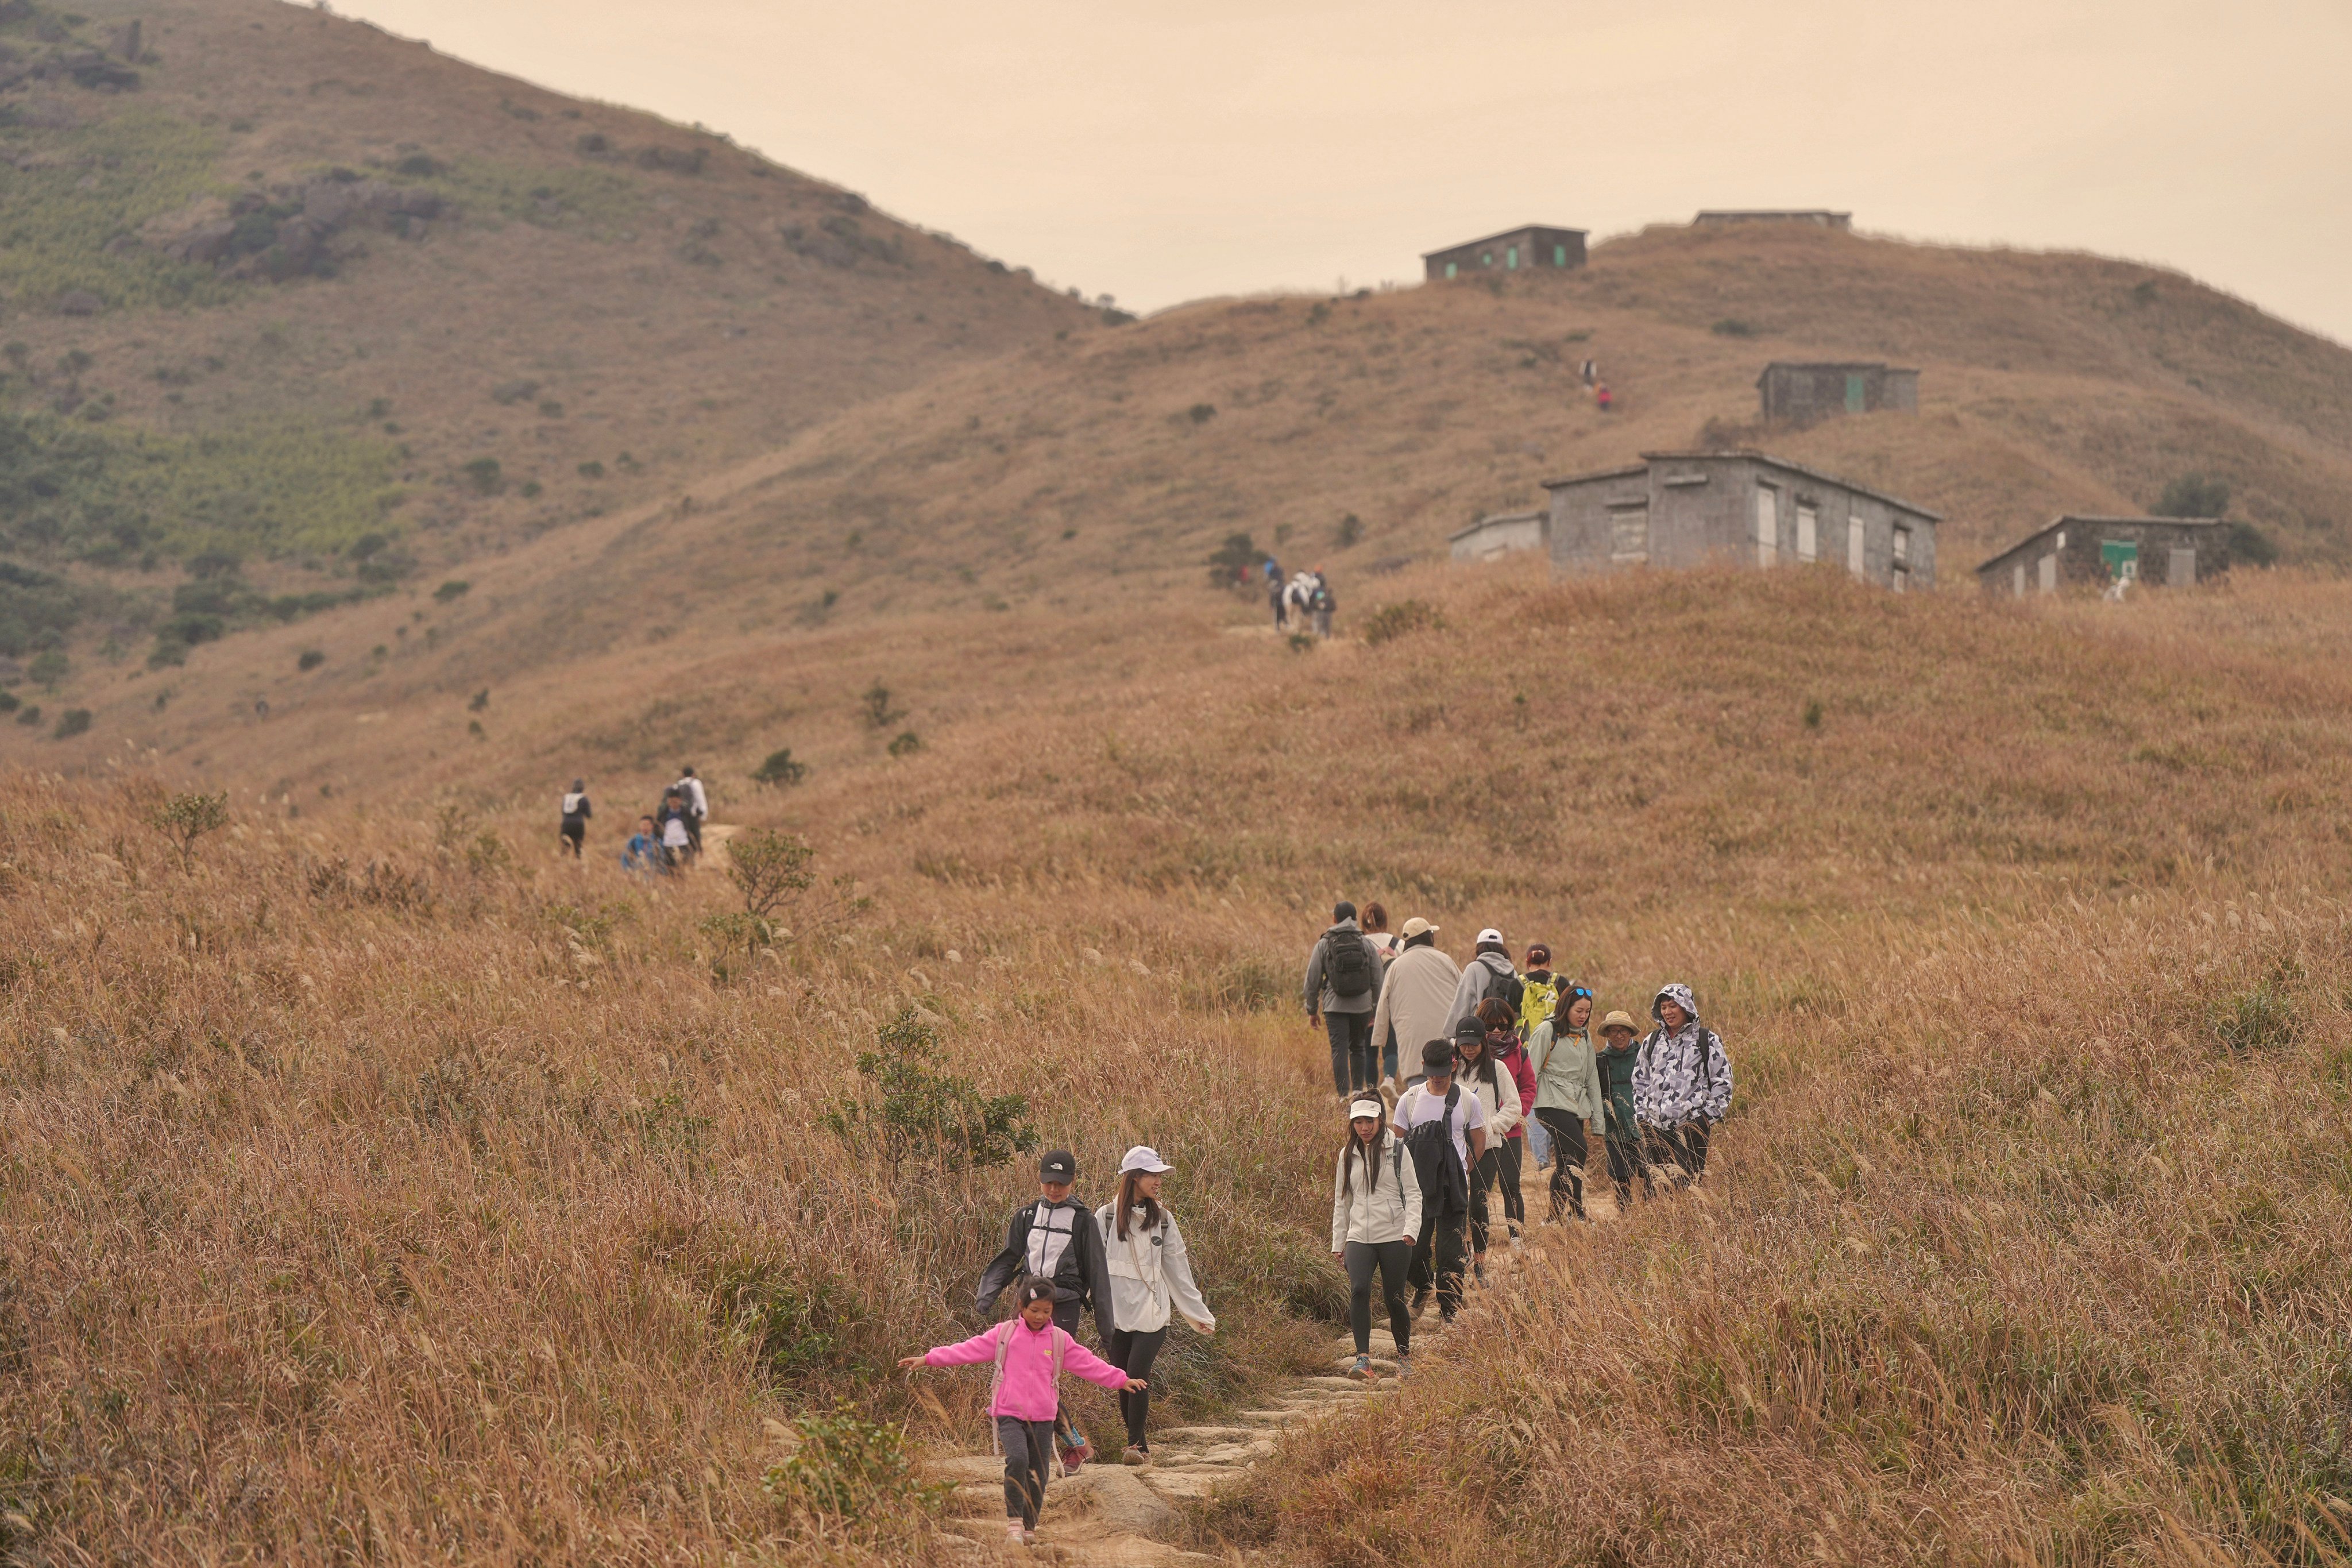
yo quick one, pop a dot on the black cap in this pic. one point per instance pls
(1470, 1028)
(1343, 911)
(1437, 1058)
(1061, 1165)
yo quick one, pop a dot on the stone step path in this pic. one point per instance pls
(1110, 1516)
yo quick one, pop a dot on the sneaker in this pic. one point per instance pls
(1404, 1365)
(1135, 1456)
(1362, 1371)
(1013, 1534)
(1421, 1301)
(1073, 1458)
(1028, 1537)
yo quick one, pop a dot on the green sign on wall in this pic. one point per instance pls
(2121, 557)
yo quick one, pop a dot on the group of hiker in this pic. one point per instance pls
(1306, 598)
(667, 839)
(1496, 1056)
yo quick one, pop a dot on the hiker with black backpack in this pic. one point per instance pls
(1444, 1133)
(1054, 1238)
(1342, 990)
(1375, 1214)
(1488, 973)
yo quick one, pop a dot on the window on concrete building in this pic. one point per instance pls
(1628, 534)
(1511, 256)
(1768, 525)
(1857, 393)
(1488, 259)
(1857, 535)
(1809, 528)
(1449, 269)
(1560, 256)
(1902, 558)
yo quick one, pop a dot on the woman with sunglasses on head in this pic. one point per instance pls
(1568, 1094)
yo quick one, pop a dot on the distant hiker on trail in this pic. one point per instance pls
(1300, 596)
(1375, 1214)
(1591, 372)
(1416, 998)
(1277, 593)
(1342, 990)
(1150, 1273)
(1614, 1061)
(1510, 1054)
(574, 828)
(1321, 603)
(1030, 1353)
(1054, 1238)
(677, 838)
(1444, 1133)
(642, 853)
(1682, 1082)
(1488, 973)
(696, 801)
(1477, 1074)
(1601, 397)
(1567, 1095)
(1535, 1006)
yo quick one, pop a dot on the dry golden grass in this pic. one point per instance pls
(339, 1220)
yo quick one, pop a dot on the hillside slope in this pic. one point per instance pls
(273, 282)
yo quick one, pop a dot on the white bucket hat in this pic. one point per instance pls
(1144, 1158)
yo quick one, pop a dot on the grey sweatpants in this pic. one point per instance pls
(1028, 1458)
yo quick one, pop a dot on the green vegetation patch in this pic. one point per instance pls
(592, 200)
(73, 194)
(113, 496)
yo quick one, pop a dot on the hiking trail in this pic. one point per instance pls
(1111, 1516)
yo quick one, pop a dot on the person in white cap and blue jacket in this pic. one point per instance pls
(1151, 1282)
(1682, 1081)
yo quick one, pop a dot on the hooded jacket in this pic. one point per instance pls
(1149, 1273)
(1386, 1208)
(1566, 1078)
(1416, 996)
(1316, 990)
(1684, 1075)
(1027, 1392)
(1076, 1265)
(1487, 974)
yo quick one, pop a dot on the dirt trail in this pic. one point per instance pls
(1108, 1516)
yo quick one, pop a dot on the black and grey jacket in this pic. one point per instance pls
(1685, 1074)
(1057, 1242)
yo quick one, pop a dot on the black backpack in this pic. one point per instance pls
(1348, 965)
(1445, 1184)
(1509, 988)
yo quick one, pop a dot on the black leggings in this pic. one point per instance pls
(1028, 1457)
(1514, 1202)
(1684, 1146)
(1132, 1352)
(1392, 1258)
(1626, 1158)
(1482, 1176)
(1568, 1155)
(573, 832)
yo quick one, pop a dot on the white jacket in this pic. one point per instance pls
(1500, 1099)
(1387, 1208)
(1150, 1272)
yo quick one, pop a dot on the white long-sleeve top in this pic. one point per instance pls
(1150, 1273)
(1383, 1209)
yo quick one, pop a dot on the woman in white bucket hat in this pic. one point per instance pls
(1150, 1280)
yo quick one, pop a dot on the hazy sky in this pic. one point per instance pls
(1161, 151)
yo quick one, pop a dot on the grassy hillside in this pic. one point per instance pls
(281, 283)
(460, 1199)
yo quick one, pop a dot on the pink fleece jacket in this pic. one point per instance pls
(1027, 1392)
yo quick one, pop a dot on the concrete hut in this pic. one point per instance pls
(2094, 551)
(1801, 393)
(1501, 533)
(1751, 508)
(1532, 248)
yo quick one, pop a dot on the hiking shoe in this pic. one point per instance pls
(1014, 1535)
(1404, 1365)
(1028, 1537)
(1073, 1458)
(1362, 1371)
(1421, 1301)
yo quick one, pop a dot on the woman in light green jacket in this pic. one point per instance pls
(1567, 1093)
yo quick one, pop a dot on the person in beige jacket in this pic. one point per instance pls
(1416, 1003)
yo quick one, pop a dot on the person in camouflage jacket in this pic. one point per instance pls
(1682, 1082)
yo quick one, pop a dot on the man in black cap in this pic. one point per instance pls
(1054, 1238)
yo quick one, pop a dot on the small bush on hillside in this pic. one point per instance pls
(49, 668)
(879, 714)
(484, 475)
(1233, 561)
(1201, 413)
(454, 589)
(779, 770)
(31, 715)
(906, 744)
(793, 1322)
(1733, 327)
(1302, 642)
(2262, 1018)
(770, 868)
(2194, 495)
(592, 469)
(852, 1473)
(8, 701)
(311, 658)
(2252, 545)
(938, 1120)
(186, 819)
(1351, 530)
(71, 722)
(1401, 619)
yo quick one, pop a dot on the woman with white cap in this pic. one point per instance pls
(1375, 1214)
(1151, 1280)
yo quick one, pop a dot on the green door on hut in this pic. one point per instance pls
(2120, 556)
(1857, 394)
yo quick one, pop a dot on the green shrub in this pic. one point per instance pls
(311, 659)
(187, 817)
(1351, 530)
(49, 668)
(905, 743)
(71, 722)
(34, 605)
(1733, 327)
(2252, 545)
(1201, 413)
(2193, 495)
(456, 588)
(9, 701)
(878, 711)
(2257, 1019)
(592, 469)
(31, 715)
(852, 1472)
(59, 211)
(1402, 619)
(780, 768)
(1233, 561)
(939, 1120)
(484, 475)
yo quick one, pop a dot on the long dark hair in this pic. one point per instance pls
(1129, 1201)
(1371, 1152)
(1484, 1068)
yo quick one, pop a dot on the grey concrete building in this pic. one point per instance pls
(2094, 551)
(1532, 248)
(1802, 394)
(1501, 533)
(1682, 509)
(1819, 215)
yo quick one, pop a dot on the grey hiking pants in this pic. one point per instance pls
(1028, 1457)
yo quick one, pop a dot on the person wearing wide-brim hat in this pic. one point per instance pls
(1151, 1282)
(1416, 999)
(1613, 1059)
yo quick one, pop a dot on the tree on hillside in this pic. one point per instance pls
(184, 819)
(2194, 495)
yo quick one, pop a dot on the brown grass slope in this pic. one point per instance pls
(685, 312)
(383, 1186)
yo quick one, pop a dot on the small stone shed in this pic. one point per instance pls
(1802, 394)
(1682, 509)
(2093, 551)
(1532, 248)
(1502, 533)
(1821, 216)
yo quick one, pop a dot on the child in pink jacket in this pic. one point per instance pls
(1029, 1353)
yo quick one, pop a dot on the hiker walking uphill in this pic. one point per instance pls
(697, 802)
(1416, 999)
(1488, 973)
(1567, 1095)
(1614, 1062)
(1055, 1240)
(1510, 1057)
(1682, 1082)
(1375, 1214)
(574, 831)
(1031, 1352)
(1150, 1274)
(1444, 1133)
(1497, 1092)
(1342, 992)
